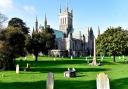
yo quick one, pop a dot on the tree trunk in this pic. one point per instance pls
(36, 56)
(114, 58)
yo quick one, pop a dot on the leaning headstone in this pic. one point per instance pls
(102, 81)
(17, 68)
(50, 81)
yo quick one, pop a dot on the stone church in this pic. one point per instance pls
(70, 41)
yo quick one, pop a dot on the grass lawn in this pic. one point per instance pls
(86, 75)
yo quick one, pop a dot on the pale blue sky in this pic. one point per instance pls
(102, 13)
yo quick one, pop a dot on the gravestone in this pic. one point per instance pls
(71, 57)
(102, 81)
(70, 73)
(50, 81)
(17, 68)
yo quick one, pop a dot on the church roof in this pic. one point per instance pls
(58, 34)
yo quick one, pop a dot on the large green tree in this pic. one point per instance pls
(114, 41)
(40, 42)
(12, 42)
(17, 22)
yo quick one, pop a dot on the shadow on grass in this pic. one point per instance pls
(50, 62)
(65, 84)
(61, 70)
(59, 84)
(119, 83)
(23, 85)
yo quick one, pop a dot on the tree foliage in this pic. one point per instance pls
(114, 41)
(17, 22)
(41, 42)
(12, 46)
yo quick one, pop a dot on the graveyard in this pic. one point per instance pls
(36, 76)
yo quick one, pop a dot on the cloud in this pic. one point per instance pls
(6, 5)
(29, 9)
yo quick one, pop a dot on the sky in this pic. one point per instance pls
(86, 13)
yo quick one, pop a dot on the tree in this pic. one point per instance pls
(40, 42)
(17, 22)
(35, 44)
(12, 42)
(3, 18)
(114, 41)
(50, 40)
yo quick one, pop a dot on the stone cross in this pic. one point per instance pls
(102, 81)
(17, 68)
(50, 81)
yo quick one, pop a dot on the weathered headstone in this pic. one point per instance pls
(50, 81)
(102, 81)
(71, 57)
(17, 68)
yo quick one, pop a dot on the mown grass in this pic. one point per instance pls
(86, 75)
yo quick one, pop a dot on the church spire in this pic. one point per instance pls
(60, 8)
(45, 22)
(33, 30)
(36, 24)
(67, 7)
(98, 30)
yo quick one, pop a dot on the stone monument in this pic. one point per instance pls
(94, 54)
(102, 81)
(50, 81)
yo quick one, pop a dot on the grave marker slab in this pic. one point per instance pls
(102, 81)
(50, 81)
(17, 68)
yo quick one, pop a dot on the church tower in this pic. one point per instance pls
(66, 21)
